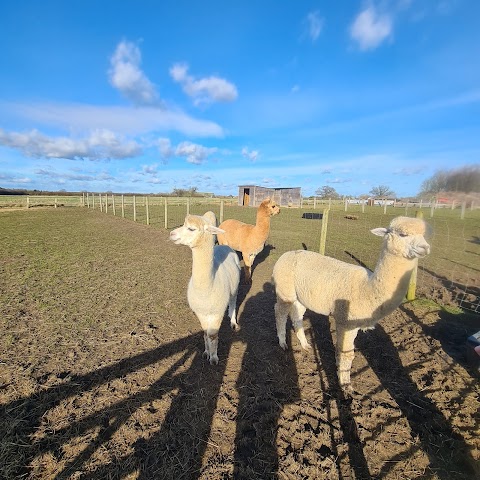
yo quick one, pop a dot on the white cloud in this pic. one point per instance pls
(251, 155)
(14, 180)
(125, 120)
(125, 75)
(165, 148)
(196, 154)
(204, 90)
(314, 25)
(100, 145)
(371, 28)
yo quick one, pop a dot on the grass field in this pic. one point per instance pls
(102, 375)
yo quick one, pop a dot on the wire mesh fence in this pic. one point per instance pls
(450, 275)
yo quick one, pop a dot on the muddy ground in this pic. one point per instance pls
(102, 374)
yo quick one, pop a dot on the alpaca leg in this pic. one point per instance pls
(345, 353)
(297, 311)
(248, 262)
(281, 314)
(232, 313)
(212, 339)
(206, 353)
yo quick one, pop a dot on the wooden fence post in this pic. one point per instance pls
(100, 200)
(188, 205)
(113, 205)
(134, 209)
(147, 211)
(462, 214)
(123, 206)
(221, 212)
(323, 233)
(412, 286)
(106, 203)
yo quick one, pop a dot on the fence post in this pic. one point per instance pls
(106, 203)
(462, 215)
(134, 209)
(55, 203)
(188, 205)
(147, 211)
(123, 206)
(166, 214)
(346, 204)
(323, 233)
(113, 205)
(100, 200)
(412, 286)
(221, 211)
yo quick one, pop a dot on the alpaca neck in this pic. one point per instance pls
(390, 279)
(202, 266)
(262, 223)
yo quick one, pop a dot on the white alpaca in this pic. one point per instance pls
(356, 297)
(215, 277)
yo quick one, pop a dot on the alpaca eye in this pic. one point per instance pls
(190, 229)
(403, 235)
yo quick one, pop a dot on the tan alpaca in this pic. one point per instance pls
(249, 239)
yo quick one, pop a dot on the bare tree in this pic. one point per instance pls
(327, 192)
(382, 191)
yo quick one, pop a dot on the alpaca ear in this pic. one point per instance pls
(214, 230)
(380, 232)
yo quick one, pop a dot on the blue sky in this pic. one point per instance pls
(148, 96)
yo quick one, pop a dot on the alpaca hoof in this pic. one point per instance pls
(214, 360)
(306, 346)
(235, 327)
(283, 344)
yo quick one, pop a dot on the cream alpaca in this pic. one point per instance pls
(249, 239)
(215, 277)
(356, 297)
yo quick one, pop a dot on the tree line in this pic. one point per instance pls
(461, 180)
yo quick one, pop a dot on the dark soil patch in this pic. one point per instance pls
(102, 375)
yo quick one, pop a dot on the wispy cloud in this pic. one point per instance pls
(126, 75)
(204, 90)
(100, 145)
(252, 155)
(370, 28)
(314, 25)
(83, 117)
(194, 153)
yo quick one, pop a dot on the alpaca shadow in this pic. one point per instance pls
(177, 447)
(267, 382)
(324, 350)
(449, 285)
(426, 421)
(452, 332)
(446, 450)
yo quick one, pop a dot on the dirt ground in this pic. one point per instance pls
(102, 374)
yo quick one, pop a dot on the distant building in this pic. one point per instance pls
(253, 195)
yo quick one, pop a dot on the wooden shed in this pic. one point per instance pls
(253, 195)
